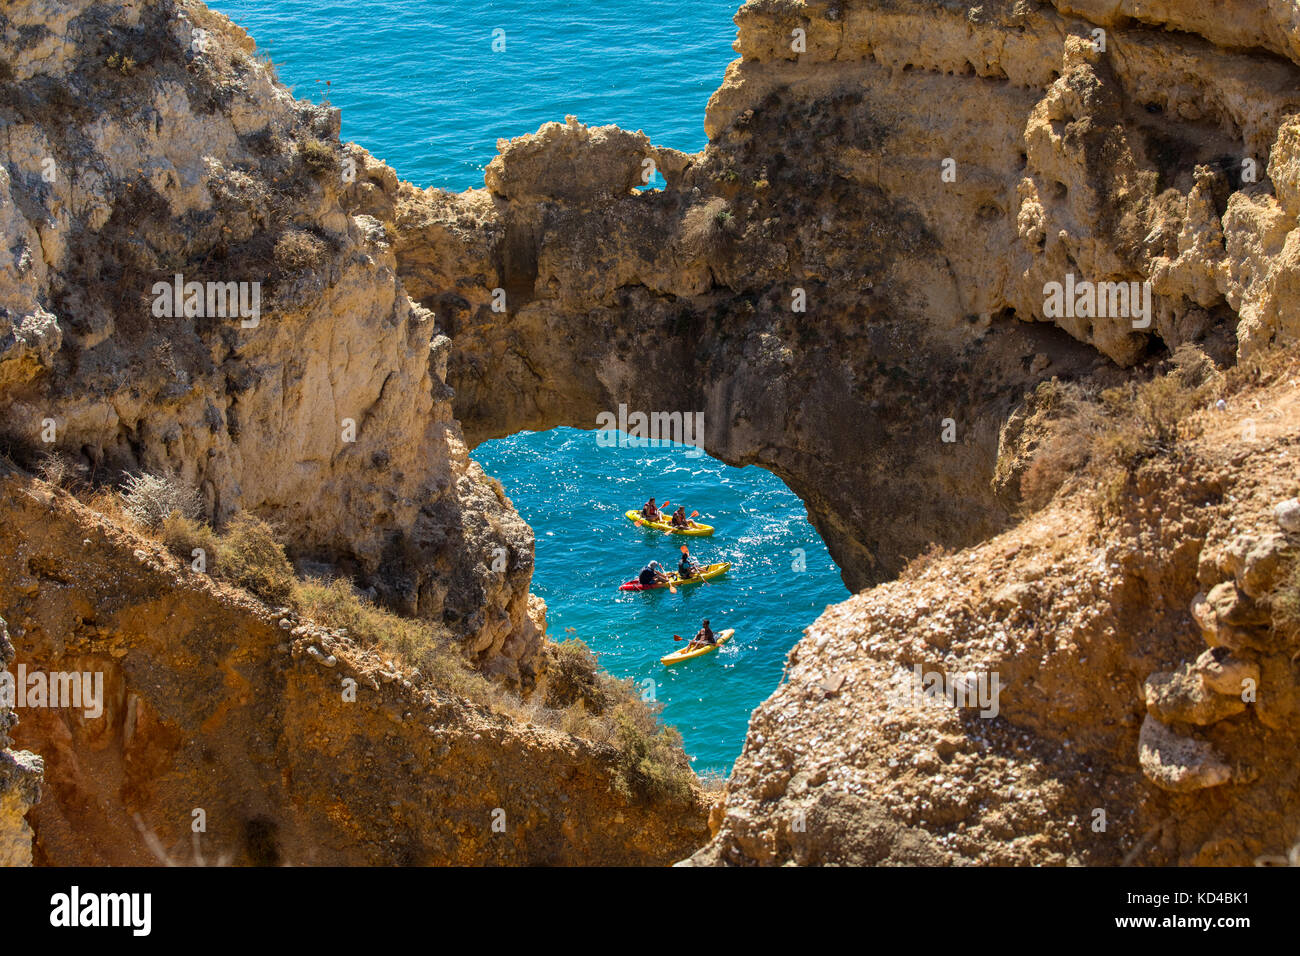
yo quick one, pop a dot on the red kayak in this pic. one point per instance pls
(708, 571)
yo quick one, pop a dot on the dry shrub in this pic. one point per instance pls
(573, 678)
(318, 155)
(250, 557)
(651, 764)
(298, 249)
(148, 499)
(1102, 438)
(1261, 369)
(1060, 449)
(1052, 466)
(121, 63)
(707, 225)
(428, 646)
(183, 536)
(59, 469)
(589, 703)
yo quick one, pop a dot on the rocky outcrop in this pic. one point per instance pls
(1249, 663)
(148, 142)
(916, 177)
(20, 771)
(183, 292)
(229, 733)
(1047, 697)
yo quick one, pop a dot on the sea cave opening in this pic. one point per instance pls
(573, 489)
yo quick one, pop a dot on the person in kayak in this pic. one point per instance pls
(650, 511)
(652, 574)
(680, 520)
(686, 567)
(703, 637)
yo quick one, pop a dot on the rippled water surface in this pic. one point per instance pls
(421, 86)
(574, 492)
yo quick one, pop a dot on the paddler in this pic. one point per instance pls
(650, 511)
(680, 520)
(686, 567)
(703, 637)
(652, 574)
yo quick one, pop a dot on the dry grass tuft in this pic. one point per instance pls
(250, 557)
(1102, 438)
(298, 250)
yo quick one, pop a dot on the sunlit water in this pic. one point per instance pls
(421, 86)
(574, 492)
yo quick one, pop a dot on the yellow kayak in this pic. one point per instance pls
(707, 573)
(696, 529)
(685, 655)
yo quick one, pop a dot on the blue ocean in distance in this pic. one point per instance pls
(420, 86)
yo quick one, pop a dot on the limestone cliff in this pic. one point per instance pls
(148, 141)
(1149, 704)
(146, 148)
(850, 281)
(917, 174)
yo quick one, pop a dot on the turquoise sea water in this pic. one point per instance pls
(574, 492)
(420, 86)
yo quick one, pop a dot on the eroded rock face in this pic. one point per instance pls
(213, 703)
(144, 142)
(20, 772)
(1115, 735)
(1157, 150)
